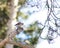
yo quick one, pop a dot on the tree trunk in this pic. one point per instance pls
(12, 7)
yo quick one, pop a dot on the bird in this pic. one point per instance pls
(19, 27)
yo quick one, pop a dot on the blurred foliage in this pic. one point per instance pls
(21, 14)
(3, 1)
(33, 27)
(17, 47)
(34, 31)
(21, 2)
(3, 21)
(34, 40)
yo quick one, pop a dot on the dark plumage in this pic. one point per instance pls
(19, 27)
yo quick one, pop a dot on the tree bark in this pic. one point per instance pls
(12, 4)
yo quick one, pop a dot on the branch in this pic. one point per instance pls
(8, 40)
(3, 42)
(21, 45)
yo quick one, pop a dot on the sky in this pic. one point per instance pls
(40, 16)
